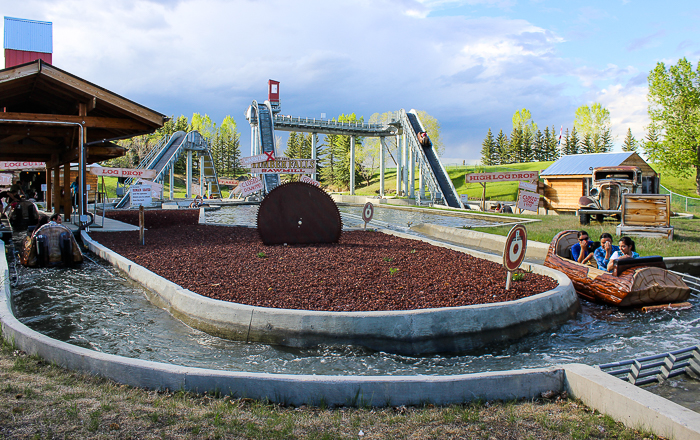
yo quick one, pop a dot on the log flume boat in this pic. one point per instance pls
(632, 283)
(52, 245)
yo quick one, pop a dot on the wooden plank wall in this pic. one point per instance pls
(651, 210)
(637, 161)
(563, 194)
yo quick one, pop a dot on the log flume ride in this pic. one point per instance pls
(634, 282)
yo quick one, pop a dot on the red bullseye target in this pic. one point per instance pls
(368, 212)
(516, 246)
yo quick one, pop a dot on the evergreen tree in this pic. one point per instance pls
(630, 143)
(606, 141)
(526, 153)
(502, 146)
(652, 140)
(516, 146)
(539, 146)
(574, 147)
(488, 150)
(330, 162)
(587, 144)
(553, 146)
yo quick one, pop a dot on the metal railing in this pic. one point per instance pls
(680, 202)
(656, 368)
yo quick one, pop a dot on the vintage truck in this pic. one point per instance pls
(607, 186)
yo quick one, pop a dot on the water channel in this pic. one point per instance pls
(96, 307)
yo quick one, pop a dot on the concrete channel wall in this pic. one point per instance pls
(410, 332)
(624, 402)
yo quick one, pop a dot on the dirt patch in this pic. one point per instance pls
(365, 271)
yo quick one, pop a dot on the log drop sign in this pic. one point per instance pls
(514, 251)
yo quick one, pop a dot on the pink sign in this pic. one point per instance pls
(123, 172)
(250, 186)
(309, 180)
(504, 176)
(528, 200)
(21, 165)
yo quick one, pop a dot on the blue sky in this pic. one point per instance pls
(471, 64)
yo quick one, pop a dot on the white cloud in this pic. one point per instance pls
(628, 109)
(363, 56)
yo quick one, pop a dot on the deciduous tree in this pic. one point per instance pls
(674, 108)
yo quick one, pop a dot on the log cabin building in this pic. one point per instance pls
(569, 178)
(44, 113)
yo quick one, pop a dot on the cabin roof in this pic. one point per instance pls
(581, 164)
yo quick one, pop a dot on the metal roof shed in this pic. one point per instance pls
(569, 178)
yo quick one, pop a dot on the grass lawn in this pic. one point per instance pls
(42, 401)
(686, 240)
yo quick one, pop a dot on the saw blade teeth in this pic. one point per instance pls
(296, 213)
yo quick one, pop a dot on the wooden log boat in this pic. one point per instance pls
(52, 245)
(632, 282)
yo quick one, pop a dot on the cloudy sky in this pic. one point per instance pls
(469, 63)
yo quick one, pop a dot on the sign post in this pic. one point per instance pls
(367, 213)
(514, 251)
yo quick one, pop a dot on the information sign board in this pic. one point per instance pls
(309, 180)
(123, 172)
(229, 182)
(284, 165)
(527, 186)
(22, 165)
(504, 176)
(141, 195)
(528, 200)
(5, 179)
(250, 186)
(248, 161)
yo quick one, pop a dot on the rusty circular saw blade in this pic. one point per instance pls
(298, 213)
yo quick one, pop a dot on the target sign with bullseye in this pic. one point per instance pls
(367, 213)
(516, 245)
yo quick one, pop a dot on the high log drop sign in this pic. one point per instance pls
(514, 251)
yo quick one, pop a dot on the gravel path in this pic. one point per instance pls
(365, 271)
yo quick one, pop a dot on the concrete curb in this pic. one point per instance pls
(495, 243)
(633, 406)
(624, 402)
(279, 388)
(411, 332)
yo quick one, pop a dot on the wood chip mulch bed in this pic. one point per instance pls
(365, 271)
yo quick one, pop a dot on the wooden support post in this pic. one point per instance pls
(48, 195)
(142, 238)
(483, 196)
(67, 199)
(57, 189)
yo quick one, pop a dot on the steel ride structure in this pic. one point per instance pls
(164, 155)
(404, 125)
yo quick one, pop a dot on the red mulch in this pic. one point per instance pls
(364, 271)
(156, 218)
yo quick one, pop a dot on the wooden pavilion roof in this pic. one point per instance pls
(49, 96)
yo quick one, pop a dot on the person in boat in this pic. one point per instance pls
(423, 139)
(506, 209)
(581, 252)
(11, 197)
(56, 218)
(51, 245)
(626, 251)
(43, 220)
(604, 252)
